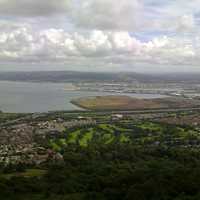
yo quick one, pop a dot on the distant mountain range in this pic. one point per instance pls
(71, 76)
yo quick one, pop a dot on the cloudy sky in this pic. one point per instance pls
(135, 35)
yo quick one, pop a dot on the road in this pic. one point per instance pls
(124, 112)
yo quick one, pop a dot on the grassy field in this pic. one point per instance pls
(129, 103)
(27, 174)
(103, 133)
(140, 133)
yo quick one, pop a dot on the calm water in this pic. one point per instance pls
(43, 97)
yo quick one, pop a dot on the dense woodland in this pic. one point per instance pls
(113, 172)
(125, 168)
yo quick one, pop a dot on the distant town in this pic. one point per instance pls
(26, 138)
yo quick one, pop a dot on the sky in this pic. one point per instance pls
(100, 35)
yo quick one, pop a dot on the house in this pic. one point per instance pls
(115, 117)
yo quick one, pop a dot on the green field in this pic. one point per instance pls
(141, 133)
(29, 173)
(103, 133)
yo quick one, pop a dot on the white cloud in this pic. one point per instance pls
(180, 7)
(98, 32)
(121, 15)
(173, 16)
(22, 44)
(135, 15)
(173, 51)
(175, 24)
(107, 14)
(186, 22)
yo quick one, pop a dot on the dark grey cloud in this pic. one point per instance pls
(32, 7)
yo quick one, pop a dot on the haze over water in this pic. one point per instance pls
(23, 97)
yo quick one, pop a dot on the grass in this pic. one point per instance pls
(87, 137)
(62, 142)
(124, 139)
(55, 146)
(27, 174)
(106, 127)
(119, 102)
(103, 133)
(141, 133)
(121, 129)
(108, 138)
(4, 117)
(149, 126)
(72, 137)
(115, 102)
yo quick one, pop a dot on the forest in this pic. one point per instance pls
(126, 166)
